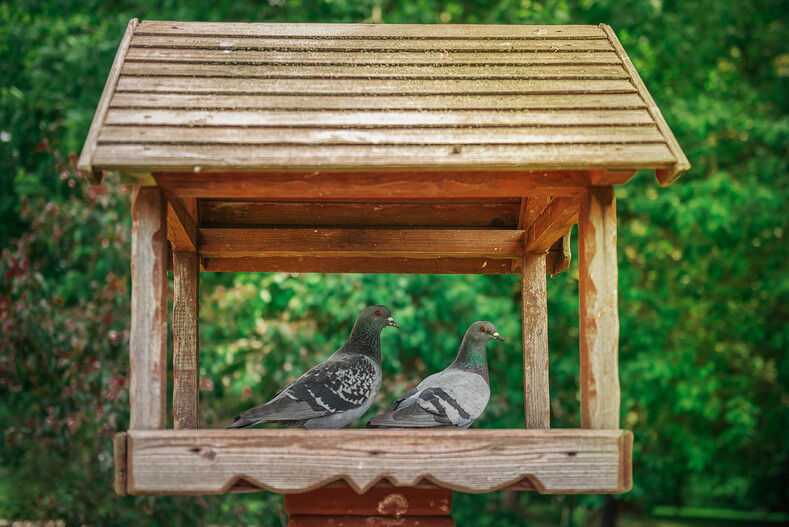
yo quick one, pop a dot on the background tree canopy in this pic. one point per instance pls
(704, 280)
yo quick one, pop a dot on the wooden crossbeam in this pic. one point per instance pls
(415, 243)
(557, 218)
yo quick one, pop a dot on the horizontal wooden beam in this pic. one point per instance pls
(557, 218)
(284, 460)
(371, 185)
(415, 243)
(181, 226)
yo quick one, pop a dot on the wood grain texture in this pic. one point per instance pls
(554, 222)
(411, 116)
(666, 176)
(563, 255)
(383, 499)
(148, 338)
(121, 463)
(217, 213)
(186, 342)
(300, 520)
(181, 226)
(536, 392)
(328, 242)
(282, 460)
(351, 31)
(309, 264)
(85, 163)
(599, 318)
(378, 185)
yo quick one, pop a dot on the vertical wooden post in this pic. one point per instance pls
(599, 319)
(148, 339)
(186, 347)
(536, 393)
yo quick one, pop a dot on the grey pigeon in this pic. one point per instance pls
(453, 398)
(336, 392)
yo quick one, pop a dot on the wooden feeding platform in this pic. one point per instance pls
(374, 149)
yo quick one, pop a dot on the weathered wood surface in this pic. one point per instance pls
(554, 221)
(563, 256)
(383, 499)
(536, 392)
(389, 185)
(299, 520)
(85, 162)
(121, 462)
(308, 264)
(186, 342)
(213, 97)
(328, 242)
(497, 215)
(599, 317)
(665, 176)
(148, 337)
(211, 461)
(181, 226)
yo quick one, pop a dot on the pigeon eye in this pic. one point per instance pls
(483, 330)
(378, 313)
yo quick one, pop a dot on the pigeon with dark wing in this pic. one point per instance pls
(454, 397)
(336, 392)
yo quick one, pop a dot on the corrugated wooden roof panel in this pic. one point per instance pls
(223, 96)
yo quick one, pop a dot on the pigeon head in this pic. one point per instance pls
(377, 317)
(471, 356)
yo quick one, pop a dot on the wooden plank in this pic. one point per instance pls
(557, 218)
(377, 243)
(605, 178)
(363, 45)
(427, 72)
(322, 118)
(666, 176)
(300, 520)
(410, 31)
(120, 463)
(85, 163)
(394, 185)
(306, 264)
(218, 213)
(395, 136)
(383, 499)
(148, 338)
(183, 158)
(530, 211)
(287, 460)
(563, 255)
(573, 101)
(340, 58)
(186, 342)
(341, 87)
(599, 318)
(181, 226)
(536, 392)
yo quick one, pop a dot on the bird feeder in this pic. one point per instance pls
(355, 148)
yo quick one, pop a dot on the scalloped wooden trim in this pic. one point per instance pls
(287, 461)
(85, 163)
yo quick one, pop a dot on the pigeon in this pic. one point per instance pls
(453, 398)
(336, 392)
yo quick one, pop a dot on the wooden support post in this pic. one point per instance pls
(424, 505)
(536, 394)
(148, 339)
(186, 347)
(599, 319)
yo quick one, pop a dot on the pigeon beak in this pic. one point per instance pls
(390, 322)
(498, 337)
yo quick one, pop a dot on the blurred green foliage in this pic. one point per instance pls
(704, 280)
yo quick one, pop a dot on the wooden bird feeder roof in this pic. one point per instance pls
(203, 97)
(374, 148)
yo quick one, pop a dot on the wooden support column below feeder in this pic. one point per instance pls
(337, 504)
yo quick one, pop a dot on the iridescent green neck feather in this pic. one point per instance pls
(471, 356)
(365, 338)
